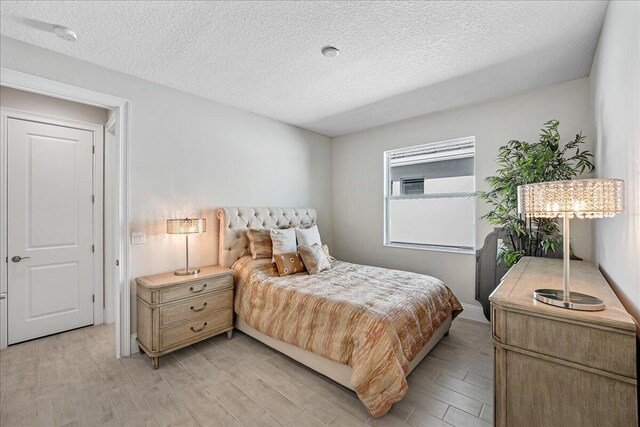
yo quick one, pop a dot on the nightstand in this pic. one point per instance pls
(177, 311)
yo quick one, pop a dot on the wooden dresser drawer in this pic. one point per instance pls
(198, 306)
(541, 391)
(196, 287)
(585, 345)
(194, 329)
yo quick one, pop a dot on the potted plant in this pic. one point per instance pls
(521, 163)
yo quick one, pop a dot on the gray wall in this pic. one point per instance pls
(358, 175)
(190, 155)
(615, 93)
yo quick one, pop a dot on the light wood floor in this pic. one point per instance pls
(73, 379)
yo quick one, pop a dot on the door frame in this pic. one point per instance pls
(119, 267)
(110, 252)
(97, 190)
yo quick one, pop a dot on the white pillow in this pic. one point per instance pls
(308, 236)
(283, 240)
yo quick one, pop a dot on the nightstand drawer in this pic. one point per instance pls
(195, 307)
(195, 329)
(194, 288)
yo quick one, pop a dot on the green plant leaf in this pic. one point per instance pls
(521, 162)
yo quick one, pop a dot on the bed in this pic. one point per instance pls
(364, 327)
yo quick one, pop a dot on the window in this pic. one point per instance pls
(413, 186)
(429, 191)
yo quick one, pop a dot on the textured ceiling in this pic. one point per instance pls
(397, 59)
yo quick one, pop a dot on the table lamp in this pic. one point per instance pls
(582, 198)
(186, 226)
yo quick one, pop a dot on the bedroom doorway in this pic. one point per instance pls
(115, 260)
(53, 224)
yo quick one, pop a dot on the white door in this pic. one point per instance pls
(50, 227)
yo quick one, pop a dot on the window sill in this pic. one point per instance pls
(431, 248)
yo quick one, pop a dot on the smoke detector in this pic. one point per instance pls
(65, 33)
(330, 51)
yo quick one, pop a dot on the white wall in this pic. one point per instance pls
(190, 156)
(358, 175)
(615, 93)
(46, 105)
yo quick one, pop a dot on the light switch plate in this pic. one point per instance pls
(137, 238)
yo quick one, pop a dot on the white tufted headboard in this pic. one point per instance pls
(234, 223)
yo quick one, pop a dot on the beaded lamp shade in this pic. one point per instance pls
(186, 226)
(582, 198)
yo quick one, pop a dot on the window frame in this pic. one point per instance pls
(388, 197)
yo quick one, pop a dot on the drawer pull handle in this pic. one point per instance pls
(199, 309)
(198, 330)
(199, 290)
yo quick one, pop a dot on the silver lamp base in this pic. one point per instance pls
(577, 301)
(187, 271)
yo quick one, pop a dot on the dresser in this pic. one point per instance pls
(559, 367)
(177, 311)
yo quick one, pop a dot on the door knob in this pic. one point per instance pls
(19, 258)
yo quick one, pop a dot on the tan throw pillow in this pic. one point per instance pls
(259, 243)
(289, 263)
(314, 258)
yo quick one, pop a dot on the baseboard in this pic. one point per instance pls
(134, 344)
(472, 312)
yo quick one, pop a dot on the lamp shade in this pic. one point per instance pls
(582, 198)
(186, 225)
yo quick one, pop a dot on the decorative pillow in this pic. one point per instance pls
(308, 236)
(289, 263)
(283, 241)
(259, 243)
(314, 258)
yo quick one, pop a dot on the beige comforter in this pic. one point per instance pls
(373, 319)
